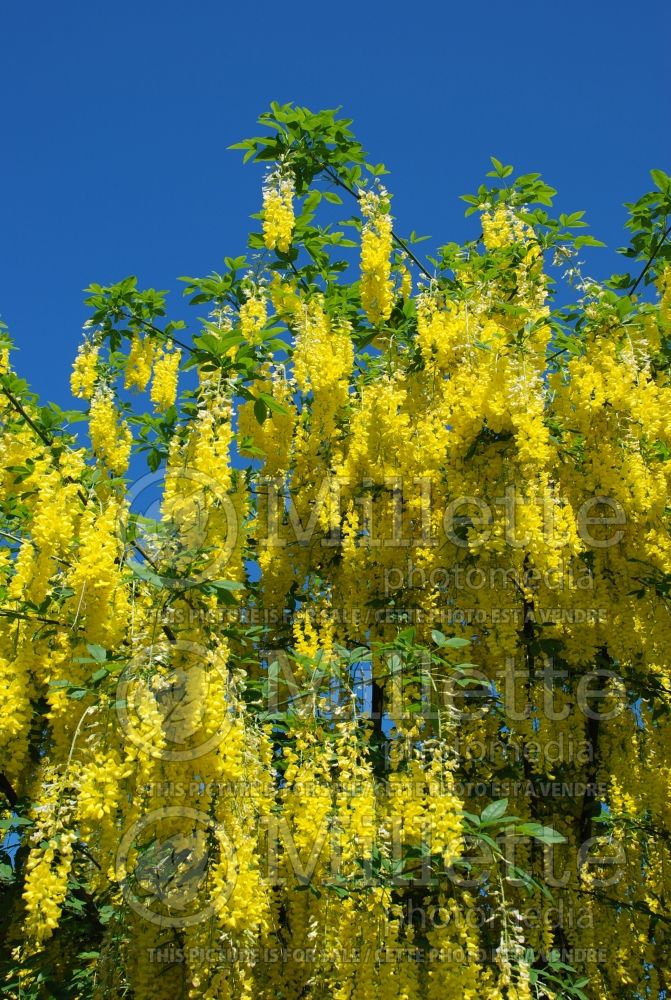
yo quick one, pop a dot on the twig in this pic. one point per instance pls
(660, 243)
(397, 239)
(31, 423)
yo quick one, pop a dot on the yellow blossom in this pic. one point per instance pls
(85, 372)
(278, 212)
(164, 382)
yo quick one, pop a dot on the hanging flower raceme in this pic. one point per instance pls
(85, 372)
(49, 863)
(500, 227)
(272, 438)
(95, 575)
(323, 355)
(406, 282)
(140, 362)
(278, 212)
(110, 437)
(441, 332)
(377, 291)
(253, 315)
(164, 383)
(212, 441)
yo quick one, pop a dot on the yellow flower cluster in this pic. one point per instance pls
(323, 355)
(278, 212)
(272, 438)
(111, 439)
(49, 862)
(441, 333)
(140, 361)
(15, 708)
(85, 372)
(253, 315)
(500, 227)
(46, 885)
(284, 297)
(213, 434)
(377, 292)
(100, 788)
(94, 574)
(406, 282)
(164, 383)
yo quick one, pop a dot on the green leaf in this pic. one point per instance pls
(340, 891)
(312, 201)
(260, 410)
(456, 642)
(662, 180)
(272, 404)
(545, 834)
(99, 653)
(12, 821)
(495, 810)
(145, 573)
(587, 241)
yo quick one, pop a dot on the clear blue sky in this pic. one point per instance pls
(116, 118)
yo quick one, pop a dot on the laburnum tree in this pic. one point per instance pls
(335, 651)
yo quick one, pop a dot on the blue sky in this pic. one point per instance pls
(116, 118)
